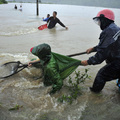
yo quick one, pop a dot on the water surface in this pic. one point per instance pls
(18, 33)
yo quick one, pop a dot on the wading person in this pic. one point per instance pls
(15, 7)
(52, 21)
(108, 49)
(56, 67)
(46, 19)
(20, 8)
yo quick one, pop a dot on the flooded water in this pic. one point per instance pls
(18, 33)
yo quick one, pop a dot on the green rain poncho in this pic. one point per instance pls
(56, 67)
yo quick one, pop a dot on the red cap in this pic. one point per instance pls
(31, 49)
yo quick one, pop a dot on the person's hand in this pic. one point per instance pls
(30, 63)
(89, 50)
(66, 28)
(85, 63)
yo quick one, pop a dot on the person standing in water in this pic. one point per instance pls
(52, 21)
(20, 8)
(46, 19)
(108, 49)
(15, 7)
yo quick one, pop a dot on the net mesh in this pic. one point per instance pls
(8, 69)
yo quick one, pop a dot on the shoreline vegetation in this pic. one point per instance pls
(3, 2)
(95, 3)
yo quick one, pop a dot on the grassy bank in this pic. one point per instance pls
(3, 2)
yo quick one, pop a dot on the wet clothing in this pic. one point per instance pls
(108, 49)
(53, 21)
(111, 71)
(56, 67)
(106, 38)
(46, 19)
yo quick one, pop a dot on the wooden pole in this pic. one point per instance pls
(37, 2)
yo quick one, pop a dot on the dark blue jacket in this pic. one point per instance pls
(104, 48)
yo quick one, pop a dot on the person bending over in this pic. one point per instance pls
(56, 67)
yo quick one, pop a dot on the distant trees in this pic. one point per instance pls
(3, 2)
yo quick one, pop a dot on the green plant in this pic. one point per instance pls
(74, 87)
(16, 107)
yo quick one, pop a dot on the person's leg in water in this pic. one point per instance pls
(109, 72)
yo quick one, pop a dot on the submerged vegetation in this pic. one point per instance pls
(74, 88)
(3, 2)
(16, 107)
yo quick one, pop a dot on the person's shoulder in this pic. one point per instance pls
(50, 17)
(52, 63)
(112, 29)
(57, 18)
(108, 29)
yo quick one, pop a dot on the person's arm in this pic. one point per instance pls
(62, 24)
(98, 58)
(101, 55)
(30, 63)
(93, 49)
(46, 19)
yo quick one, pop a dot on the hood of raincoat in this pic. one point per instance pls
(43, 51)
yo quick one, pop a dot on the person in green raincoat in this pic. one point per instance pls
(56, 67)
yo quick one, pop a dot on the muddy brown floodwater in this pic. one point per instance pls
(18, 33)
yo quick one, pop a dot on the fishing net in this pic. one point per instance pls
(8, 69)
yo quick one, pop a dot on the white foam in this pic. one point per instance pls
(78, 111)
(19, 32)
(17, 57)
